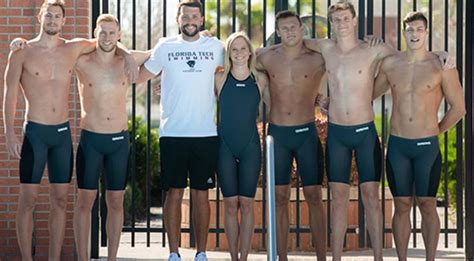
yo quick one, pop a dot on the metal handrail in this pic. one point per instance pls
(271, 235)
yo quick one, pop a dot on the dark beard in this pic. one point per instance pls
(183, 30)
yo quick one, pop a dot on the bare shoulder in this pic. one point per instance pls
(326, 43)
(433, 59)
(265, 54)
(389, 62)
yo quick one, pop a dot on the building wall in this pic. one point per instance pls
(18, 19)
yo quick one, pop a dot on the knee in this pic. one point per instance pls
(84, 204)
(371, 203)
(402, 207)
(27, 203)
(115, 205)
(59, 202)
(427, 207)
(246, 207)
(231, 207)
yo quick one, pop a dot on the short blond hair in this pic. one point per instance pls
(341, 6)
(103, 18)
(48, 3)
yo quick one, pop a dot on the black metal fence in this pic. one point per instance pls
(451, 29)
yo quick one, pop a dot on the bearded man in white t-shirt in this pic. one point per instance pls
(188, 136)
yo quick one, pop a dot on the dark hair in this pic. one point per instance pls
(190, 3)
(286, 14)
(341, 6)
(48, 3)
(414, 16)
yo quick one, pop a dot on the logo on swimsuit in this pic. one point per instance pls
(62, 129)
(191, 63)
(362, 129)
(118, 138)
(240, 85)
(209, 181)
(302, 130)
(423, 143)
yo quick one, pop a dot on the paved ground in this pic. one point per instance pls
(157, 252)
(140, 252)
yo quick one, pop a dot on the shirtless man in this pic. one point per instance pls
(418, 85)
(43, 69)
(295, 74)
(351, 68)
(104, 137)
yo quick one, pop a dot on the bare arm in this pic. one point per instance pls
(381, 85)
(218, 82)
(313, 44)
(140, 56)
(12, 86)
(144, 75)
(452, 91)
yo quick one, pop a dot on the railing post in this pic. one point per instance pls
(271, 235)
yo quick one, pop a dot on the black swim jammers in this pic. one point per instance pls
(413, 164)
(342, 141)
(46, 144)
(98, 151)
(301, 143)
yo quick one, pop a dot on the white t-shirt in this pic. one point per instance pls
(187, 84)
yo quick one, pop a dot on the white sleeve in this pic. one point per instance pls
(220, 53)
(154, 64)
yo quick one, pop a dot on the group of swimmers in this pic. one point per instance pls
(290, 78)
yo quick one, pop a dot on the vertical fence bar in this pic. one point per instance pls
(445, 135)
(384, 134)
(459, 129)
(133, 160)
(148, 140)
(103, 212)
(328, 194)
(105, 6)
(361, 214)
(234, 17)
(469, 97)
(163, 193)
(119, 16)
(264, 131)
(270, 174)
(218, 194)
(370, 31)
(298, 209)
(95, 209)
(313, 19)
(249, 18)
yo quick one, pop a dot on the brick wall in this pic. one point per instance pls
(18, 19)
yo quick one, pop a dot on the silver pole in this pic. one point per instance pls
(271, 235)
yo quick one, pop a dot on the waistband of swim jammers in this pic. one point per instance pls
(311, 125)
(36, 125)
(351, 127)
(87, 132)
(417, 140)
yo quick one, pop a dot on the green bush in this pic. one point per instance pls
(140, 169)
(451, 161)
